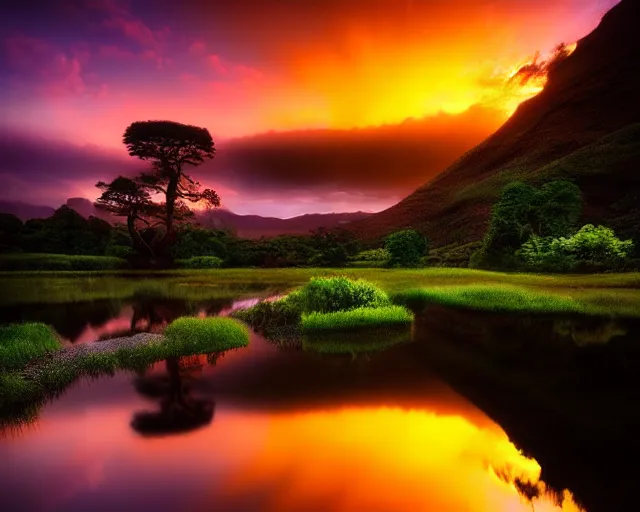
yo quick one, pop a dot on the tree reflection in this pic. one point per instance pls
(179, 411)
(153, 314)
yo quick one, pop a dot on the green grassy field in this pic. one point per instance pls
(610, 293)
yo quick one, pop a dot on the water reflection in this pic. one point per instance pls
(380, 435)
(179, 410)
(97, 320)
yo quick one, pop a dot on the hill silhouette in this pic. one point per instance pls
(584, 126)
(247, 226)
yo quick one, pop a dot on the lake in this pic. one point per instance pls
(262, 428)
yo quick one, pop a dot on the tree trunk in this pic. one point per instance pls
(138, 243)
(169, 236)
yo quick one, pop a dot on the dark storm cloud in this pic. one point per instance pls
(380, 160)
(38, 168)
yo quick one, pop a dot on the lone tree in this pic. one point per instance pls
(406, 248)
(171, 146)
(124, 197)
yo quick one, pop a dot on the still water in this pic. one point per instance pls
(263, 429)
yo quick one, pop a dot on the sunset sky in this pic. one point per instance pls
(75, 73)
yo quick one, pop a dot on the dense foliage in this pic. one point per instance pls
(524, 211)
(591, 248)
(406, 248)
(65, 232)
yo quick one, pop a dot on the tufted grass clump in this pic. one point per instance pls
(360, 318)
(330, 294)
(21, 343)
(188, 335)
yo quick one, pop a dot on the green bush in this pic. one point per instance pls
(367, 317)
(61, 262)
(21, 343)
(188, 335)
(406, 248)
(590, 248)
(328, 294)
(201, 262)
(524, 211)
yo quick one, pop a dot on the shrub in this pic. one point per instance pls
(406, 248)
(367, 317)
(328, 294)
(543, 254)
(21, 343)
(188, 335)
(590, 248)
(595, 245)
(201, 262)
(524, 211)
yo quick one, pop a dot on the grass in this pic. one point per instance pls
(21, 343)
(194, 335)
(492, 298)
(360, 318)
(19, 261)
(617, 294)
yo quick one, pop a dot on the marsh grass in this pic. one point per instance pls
(492, 298)
(21, 343)
(355, 319)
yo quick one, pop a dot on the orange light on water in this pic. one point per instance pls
(389, 460)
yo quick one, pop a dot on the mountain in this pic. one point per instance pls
(26, 211)
(584, 126)
(255, 226)
(248, 226)
(85, 208)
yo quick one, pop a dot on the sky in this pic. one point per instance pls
(315, 106)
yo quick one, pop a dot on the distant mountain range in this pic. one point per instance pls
(248, 226)
(584, 126)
